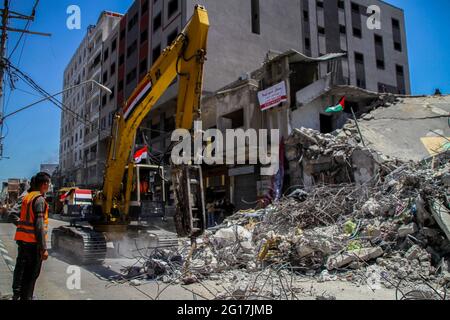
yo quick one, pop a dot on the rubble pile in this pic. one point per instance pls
(320, 157)
(392, 228)
(387, 222)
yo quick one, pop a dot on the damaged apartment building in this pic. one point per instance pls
(304, 96)
(241, 35)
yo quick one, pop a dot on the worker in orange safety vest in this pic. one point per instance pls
(31, 236)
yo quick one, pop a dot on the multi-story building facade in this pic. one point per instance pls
(73, 121)
(80, 136)
(241, 35)
(377, 57)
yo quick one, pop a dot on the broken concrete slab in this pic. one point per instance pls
(346, 258)
(442, 216)
(365, 166)
(413, 253)
(406, 230)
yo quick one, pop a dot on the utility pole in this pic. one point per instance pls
(6, 15)
(4, 36)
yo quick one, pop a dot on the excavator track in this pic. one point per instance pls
(81, 244)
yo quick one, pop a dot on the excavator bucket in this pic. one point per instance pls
(190, 218)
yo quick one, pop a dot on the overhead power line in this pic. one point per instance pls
(6, 15)
(14, 71)
(33, 14)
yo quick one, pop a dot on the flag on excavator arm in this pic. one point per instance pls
(337, 108)
(141, 154)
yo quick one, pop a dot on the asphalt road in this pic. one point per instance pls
(57, 282)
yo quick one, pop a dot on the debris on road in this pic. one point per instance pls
(387, 221)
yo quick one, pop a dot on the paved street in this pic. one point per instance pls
(95, 286)
(52, 282)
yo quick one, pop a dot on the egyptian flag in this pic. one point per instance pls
(141, 154)
(338, 108)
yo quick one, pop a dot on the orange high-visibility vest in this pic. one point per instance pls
(26, 230)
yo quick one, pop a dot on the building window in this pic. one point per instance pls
(321, 30)
(144, 7)
(111, 96)
(121, 59)
(157, 22)
(114, 45)
(96, 61)
(113, 69)
(357, 32)
(379, 53)
(110, 119)
(307, 43)
(359, 57)
(132, 48)
(103, 123)
(172, 36)
(380, 64)
(256, 23)
(319, 3)
(401, 87)
(120, 85)
(360, 71)
(106, 54)
(342, 29)
(133, 21)
(172, 8)
(378, 40)
(360, 83)
(105, 76)
(341, 4)
(143, 67)
(397, 35)
(156, 53)
(122, 34)
(396, 23)
(144, 36)
(306, 15)
(131, 76)
(355, 7)
(104, 100)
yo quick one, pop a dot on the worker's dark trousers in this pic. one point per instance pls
(28, 268)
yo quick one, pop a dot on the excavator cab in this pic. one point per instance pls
(148, 193)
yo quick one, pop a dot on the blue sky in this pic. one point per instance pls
(33, 135)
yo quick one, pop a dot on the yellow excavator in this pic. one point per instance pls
(184, 59)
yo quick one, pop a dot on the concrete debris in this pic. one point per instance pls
(405, 230)
(362, 218)
(343, 259)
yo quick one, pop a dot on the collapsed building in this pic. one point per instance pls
(365, 197)
(391, 230)
(289, 91)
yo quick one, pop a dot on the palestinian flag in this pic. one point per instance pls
(140, 155)
(338, 108)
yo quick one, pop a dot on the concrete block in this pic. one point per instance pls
(405, 230)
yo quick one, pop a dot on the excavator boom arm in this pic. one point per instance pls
(183, 58)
